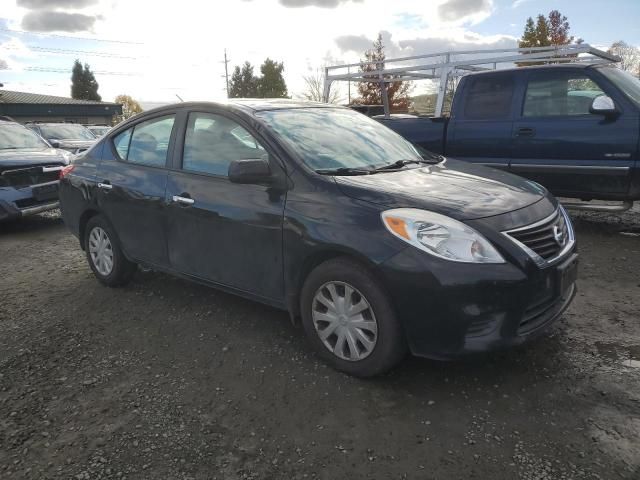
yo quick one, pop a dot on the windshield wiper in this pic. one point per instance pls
(345, 171)
(402, 163)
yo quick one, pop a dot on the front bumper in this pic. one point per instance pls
(449, 309)
(26, 201)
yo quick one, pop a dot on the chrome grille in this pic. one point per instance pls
(547, 239)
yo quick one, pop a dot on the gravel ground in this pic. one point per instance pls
(165, 379)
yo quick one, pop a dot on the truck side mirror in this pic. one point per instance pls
(603, 105)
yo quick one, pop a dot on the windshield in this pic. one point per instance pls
(98, 130)
(626, 82)
(330, 138)
(66, 131)
(14, 136)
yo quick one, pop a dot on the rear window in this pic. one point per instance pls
(489, 97)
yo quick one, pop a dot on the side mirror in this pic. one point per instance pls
(54, 143)
(255, 170)
(603, 105)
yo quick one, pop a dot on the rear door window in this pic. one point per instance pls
(489, 97)
(147, 143)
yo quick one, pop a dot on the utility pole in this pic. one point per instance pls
(226, 70)
(349, 85)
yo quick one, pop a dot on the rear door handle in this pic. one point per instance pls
(525, 132)
(183, 200)
(105, 186)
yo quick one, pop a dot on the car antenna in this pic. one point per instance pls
(179, 98)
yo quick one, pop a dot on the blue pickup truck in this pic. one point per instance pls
(573, 128)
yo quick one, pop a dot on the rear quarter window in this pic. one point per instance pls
(489, 97)
(121, 143)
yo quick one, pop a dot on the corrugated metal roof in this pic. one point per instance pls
(9, 97)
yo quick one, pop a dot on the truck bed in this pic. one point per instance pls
(428, 132)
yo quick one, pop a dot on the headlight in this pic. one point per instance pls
(440, 235)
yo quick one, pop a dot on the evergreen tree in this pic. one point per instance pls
(545, 32)
(272, 84)
(244, 84)
(529, 36)
(370, 91)
(83, 83)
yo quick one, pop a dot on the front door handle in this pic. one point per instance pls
(525, 132)
(183, 200)
(105, 186)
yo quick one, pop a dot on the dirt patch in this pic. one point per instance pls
(166, 379)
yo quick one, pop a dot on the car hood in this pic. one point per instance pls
(31, 157)
(460, 190)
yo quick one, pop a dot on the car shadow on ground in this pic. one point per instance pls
(546, 356)
(32, 224)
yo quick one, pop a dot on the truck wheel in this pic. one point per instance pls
(104, 254)
(349, 320)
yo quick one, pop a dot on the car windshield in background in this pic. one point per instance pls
(333, 138)
(66, 131)
(626, 82)
(14, 136)
(99, 131)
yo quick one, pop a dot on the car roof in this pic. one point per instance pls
(247, 105)
(560, 66)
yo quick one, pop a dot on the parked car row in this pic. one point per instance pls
(374, 247)
(31, 157)
(29, 171)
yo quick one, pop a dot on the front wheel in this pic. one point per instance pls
(105, 257)
(348, 318)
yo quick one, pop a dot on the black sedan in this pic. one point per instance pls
(374, 247)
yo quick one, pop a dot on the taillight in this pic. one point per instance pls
(66, 170)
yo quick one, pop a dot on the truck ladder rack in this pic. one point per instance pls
(444, 65)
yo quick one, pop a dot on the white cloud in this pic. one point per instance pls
(183, 44)
(517, 3)
(473, 11)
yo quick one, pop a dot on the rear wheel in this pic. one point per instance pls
(349, 320)
(104, 254)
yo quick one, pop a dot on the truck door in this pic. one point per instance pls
(562, 146)
(481, 122)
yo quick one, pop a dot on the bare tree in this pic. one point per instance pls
(629, 54)
(314, 88)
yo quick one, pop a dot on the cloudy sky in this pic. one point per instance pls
(155, 50)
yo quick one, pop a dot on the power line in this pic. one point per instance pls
(54, 35)
(67, 71)
(63, 51)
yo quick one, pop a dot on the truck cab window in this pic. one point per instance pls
(489, 97)
(551, 94)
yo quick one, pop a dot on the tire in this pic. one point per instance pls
(99, 230)
(389, 344)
